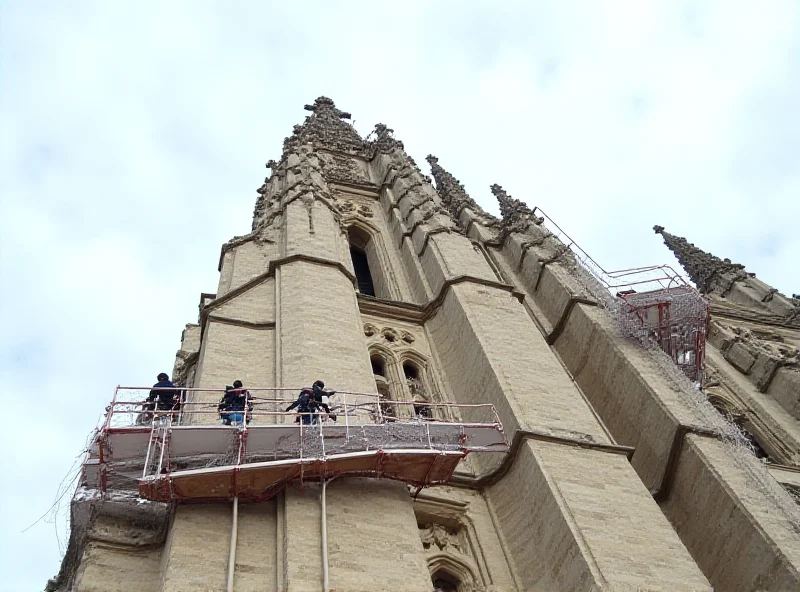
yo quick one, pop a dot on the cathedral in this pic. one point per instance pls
(500, 412)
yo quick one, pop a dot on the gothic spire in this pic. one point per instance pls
(453, 194)
(707, 271)
(508, 205)
(516, 214)
(325, 127)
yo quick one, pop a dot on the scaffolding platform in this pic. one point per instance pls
(177, 457)
(654, 304)
(256, 481)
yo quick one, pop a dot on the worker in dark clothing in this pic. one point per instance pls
(234, 403)
(305, 405)
(163, 397)
(321, 397)
(166, 394)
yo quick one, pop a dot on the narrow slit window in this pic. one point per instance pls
(363, 274)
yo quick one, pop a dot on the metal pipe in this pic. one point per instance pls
(280, 505)
(325, 586)
(278, 340)
(111, 408)
(280, 510)
(346, 418)
(234, 535)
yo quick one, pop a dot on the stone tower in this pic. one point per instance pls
(362, 271)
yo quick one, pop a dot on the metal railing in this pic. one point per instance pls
(642, 279)
(132, 407)
(139, 437)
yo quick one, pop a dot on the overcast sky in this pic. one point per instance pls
(133, 137)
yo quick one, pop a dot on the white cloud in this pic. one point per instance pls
(134, 137)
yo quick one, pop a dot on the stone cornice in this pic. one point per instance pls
(719, 309)
(415, 313)
(391, 309)
(240, 322)
(372, 191)
(493, 476)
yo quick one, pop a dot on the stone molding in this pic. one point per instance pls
(414, 313)
(494, 475)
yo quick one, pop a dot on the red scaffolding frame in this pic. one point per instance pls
(654, 304)
(183, 455)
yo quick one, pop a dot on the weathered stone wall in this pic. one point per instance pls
(120, 546)
(574, 519)
(118, 567)
(196, 556)
(243, 262)
(731, 530)
(256, 556)
(643, 408)
(232, 352)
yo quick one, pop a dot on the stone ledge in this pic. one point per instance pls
(414, 313)
(494, 475)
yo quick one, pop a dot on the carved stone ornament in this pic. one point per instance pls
(343, 168)
(767, 343)
(392, 336)
(325, 128)
(384, 140)
(351, 207)
(437, 535)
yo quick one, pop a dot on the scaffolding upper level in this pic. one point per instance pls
(655, 304)
(183, 453)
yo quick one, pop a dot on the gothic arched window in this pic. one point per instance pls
(419, 393)
(380, 373)
(362, 271)
(378, 365)
(410, 370)
(366, 262)
(444, 582)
